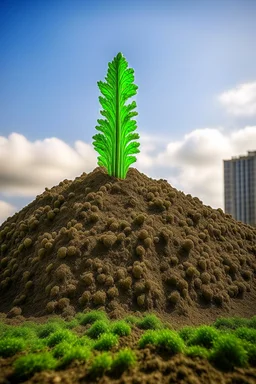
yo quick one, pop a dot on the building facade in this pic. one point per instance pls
(240, 188)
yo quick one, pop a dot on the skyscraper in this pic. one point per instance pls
(240, 187)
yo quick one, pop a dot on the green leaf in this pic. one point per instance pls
(114, 144)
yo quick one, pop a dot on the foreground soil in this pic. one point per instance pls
(126, 246)
(152, 367)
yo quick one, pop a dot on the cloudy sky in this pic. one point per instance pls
(195, 67)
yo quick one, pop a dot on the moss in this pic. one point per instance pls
(85, 298)
(48, 245)
(71, 250)
(141, 300)
(62, 252)
(101, 278)
(205, 278)
(192, 271)
(50, 306)
(109, 240)
(63, 303)
(125, 283)
(29, 284)
(109, 281)
(49, 267)
(143, 234)
(174, 297)
(140, 251)
(55, 291)
(99, 297)
(88, 278)
(50, 215)
(106, 341)
(137, 271)
(112, 292)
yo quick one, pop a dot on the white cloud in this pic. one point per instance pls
(6, 210)
(26, 168)
(194, 164)
(199, 158)
(240, 101)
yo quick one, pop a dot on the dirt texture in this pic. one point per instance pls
(126, 246)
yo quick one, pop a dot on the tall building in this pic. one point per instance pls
(240, 188)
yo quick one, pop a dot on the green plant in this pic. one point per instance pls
(91, 317)
(114, 144)
(248, 334)
(196, 350)
(60, 335)
(120, 328)
(123, 360)
(97, 328)
(71, 324)
(44, 330)
(85, 341)
(230, 323)
(24, 332)
(26, 366)
(150, 322)
(106, 342)
(252, 322)
(61, 348)
(131, 319)
(101, 364)
(37, 345)
(170, 341)
(228, 352)
(251, 352)
(204, 336)
(149, 337)
(186, 333)
(9, 346)
(75, 353)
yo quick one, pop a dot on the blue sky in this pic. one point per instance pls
(195, 66)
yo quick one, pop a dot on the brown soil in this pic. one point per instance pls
(128, 247)
(125, 246)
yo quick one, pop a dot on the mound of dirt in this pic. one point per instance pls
(129, 245)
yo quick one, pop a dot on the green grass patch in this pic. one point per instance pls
(148, 338)
(120, 328)
(44, 330)
(197, 351)
(164, 339)
(150, 322)
(91, 317)
(204, 336)
(170, 341)
(27, 366)
(74, 353)
(228, 352)
(187, 333)
(248, 334)
(9, 346)
(59, 336)
(101, 364)
(132, 319)
(123, 360)
(106, 341)
(98, 328)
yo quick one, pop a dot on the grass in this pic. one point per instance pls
(226, 344)
(106, 342)
(98, 328)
